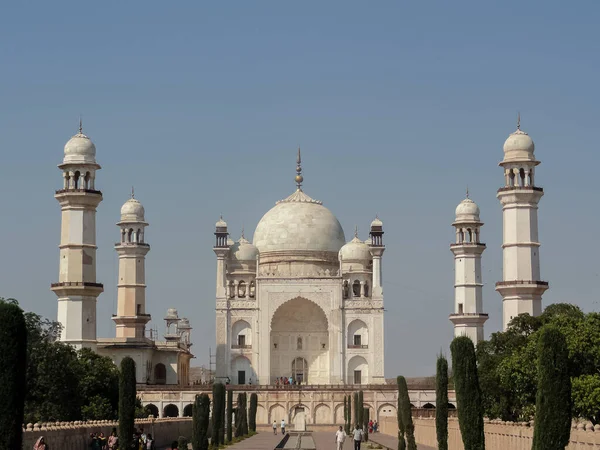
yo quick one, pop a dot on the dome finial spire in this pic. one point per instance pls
(80, 125)
(299, 177)
(243, 237)
(467, 191)
(355, 231)
(519, 120)
(132, 192)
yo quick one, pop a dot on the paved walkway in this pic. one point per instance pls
(391, 441)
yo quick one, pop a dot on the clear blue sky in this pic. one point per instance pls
(397, 107)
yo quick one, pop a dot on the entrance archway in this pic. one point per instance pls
(300, 342)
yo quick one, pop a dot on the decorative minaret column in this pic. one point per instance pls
(77, 289)
(468, 317)
(131, 317)
(377, 248)
(521, 288)
(221, 249)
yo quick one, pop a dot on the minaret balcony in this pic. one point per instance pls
(357, 347)
(514, 287)
(520, 188)
(468, 244)
(77, 288)
(468, 318)
(241, 347)
(72, 190)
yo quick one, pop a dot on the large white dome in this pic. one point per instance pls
(299, 223)
(132, 211)
(519, 147)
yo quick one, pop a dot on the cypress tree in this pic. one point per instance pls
(217, 413)
(127, 396)
(441, 410)
(252, 413)
(360, 409)
(406, 414)
(553, 398)
(245, 414)
(239, 429)
(223, 415)
(346, 414)
(349, 413)
(200, 419)
(229, 415)
(366, 423)
(468, 393)
(356, 406)
(13, 364)
(401, 429)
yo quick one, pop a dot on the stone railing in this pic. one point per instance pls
(498, 435)
(76, 435)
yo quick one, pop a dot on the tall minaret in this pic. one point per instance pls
(377, 248)
(77, 289)
(221, 249)
(468, 317)
(131, 317)
(521, 288)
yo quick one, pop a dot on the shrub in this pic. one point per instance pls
(127, 398)
(441, 395)
(468, 393)
(360, 409)
(553, 400)
(356, 407)
(13, 364)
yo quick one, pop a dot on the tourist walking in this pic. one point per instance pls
(149, 442)
(275, 427)
(340, 437)
(358, 437)
(282, 426)
(40, 444)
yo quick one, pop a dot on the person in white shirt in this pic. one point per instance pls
(275, 427)
(340, 437)
(282, 426)
(358, 437)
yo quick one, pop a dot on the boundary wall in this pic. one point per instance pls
(76, 435)
(498, 435)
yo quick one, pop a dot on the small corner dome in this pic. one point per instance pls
(132, 211)
(221, 223)
(377, 222)
(467, 210)
(172, 314)
(80, 150)
(519, 146)
(355, 250)
(243, 250)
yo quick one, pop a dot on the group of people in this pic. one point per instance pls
(140, 441)
(282, 427)
(358, 435)
(285, 381)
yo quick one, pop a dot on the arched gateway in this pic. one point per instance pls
(300, 343)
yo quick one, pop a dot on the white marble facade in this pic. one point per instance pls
(299, 301)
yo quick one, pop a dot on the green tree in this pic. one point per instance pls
(360, 408)
(239, 411)
(229, 415)
(406, 413)
(200, 418)
(127, 399)
(98, 379)
(217, 413)
(356, 407)
(97, 408)
(399, 408)
(553, 402)
(252, 412)
(366, 423)
(245, 414)
(586, 397)
(349, 413)
(346, 414)
(441, 396)
(13, 363)
(468, 393)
